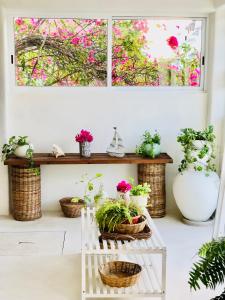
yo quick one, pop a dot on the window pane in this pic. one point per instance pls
(61, 52)
(156, 52)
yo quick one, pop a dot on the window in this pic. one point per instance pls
(61, 52)
(156, 52)
(150, 52)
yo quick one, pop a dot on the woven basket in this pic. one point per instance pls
(154, 174)
(119, 273)
(25, 193)
(131, 228)
(71, 209)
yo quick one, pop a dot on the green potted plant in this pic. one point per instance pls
(210, 268)
(71, 206)
(119, 216)
(18, 146)
(150, 146)
(197, 175)
(139, 194)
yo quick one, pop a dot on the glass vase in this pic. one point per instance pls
(85, 149)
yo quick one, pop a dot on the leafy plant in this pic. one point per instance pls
(89, 187)
(210, 269)
(13, 144)
(140, 189)
(114, 212)
(148, 139)
(186, 138)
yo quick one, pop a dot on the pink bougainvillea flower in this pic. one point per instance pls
(84, 136)
(173, 67)
(123, 186)
(117, 31)
(75, 41)
(19, 21)
(173, 42)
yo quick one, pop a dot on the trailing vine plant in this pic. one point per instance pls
(192, 155)
(210, 269)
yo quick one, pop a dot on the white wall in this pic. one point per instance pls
(54, 115)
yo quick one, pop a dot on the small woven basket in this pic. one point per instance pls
(154, 174)
(25, 184)
(71, 209)
(131, 228)
(119, 273)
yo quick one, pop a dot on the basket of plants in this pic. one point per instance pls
(119, 273)
(71, 207)
(121, 220)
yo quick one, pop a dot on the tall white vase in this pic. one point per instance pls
(196, 194)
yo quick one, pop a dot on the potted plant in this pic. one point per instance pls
(210, 269)
(123, 190)
(119, 216)
(196, 186)
(150, 146)
(71, 206)
(18, 146)
(140, 193)
(84, 138)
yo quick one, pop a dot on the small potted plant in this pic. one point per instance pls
(71, 206)
(18, 146)
(150, 146)
(140, 193)
(84, 138)
(119, 216)
(123, 190)
(197, 175)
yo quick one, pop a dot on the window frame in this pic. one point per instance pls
(10, 48)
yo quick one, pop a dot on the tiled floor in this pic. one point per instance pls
(36, 269)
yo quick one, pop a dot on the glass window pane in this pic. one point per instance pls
(156, 52)
(61, 52)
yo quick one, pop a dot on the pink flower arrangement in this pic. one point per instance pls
(123, 186)
(173, 42)
(84, 136)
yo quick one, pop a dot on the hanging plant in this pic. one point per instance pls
(198, 148)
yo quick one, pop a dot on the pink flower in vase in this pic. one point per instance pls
(173, 42)
(123, 187)
(84, 136)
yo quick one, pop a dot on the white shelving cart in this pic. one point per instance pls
(150, 254)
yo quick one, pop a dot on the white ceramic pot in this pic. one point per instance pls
(154, 149)
(196, 194)
(142, 201)
(21, 151)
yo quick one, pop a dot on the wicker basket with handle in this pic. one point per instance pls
(25, 193)
(154, 174)
(119, 273)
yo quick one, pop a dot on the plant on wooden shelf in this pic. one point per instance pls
(197, 175)
(210, 269)
(150, 146)
(20, 147)
(71, 206)
(140, 193)
(119, 216)
(84, 138)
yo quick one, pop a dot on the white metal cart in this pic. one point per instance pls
(150, 254)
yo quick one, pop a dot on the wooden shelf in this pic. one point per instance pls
(96, 158)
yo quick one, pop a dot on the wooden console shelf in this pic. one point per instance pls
(96, 158)
(149, 170)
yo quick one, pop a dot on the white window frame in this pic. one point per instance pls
(10, 48)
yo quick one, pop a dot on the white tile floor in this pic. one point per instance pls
(44, 274)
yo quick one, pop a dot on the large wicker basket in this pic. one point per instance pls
(25, 193)
(71, 209)
(154, 174)
(119, 273)
(131, 228)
